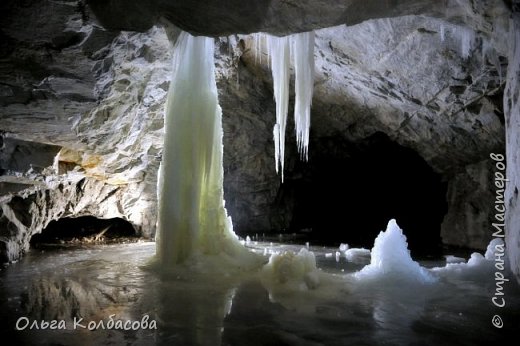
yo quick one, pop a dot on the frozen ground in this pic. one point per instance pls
(310, 298)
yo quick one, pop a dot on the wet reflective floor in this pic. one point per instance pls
(96, 282)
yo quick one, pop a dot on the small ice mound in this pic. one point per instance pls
(478, 267)
(293, 271)
(495, 246)
(391, 259)
(343, 247)
(454, 259)
(358, 256)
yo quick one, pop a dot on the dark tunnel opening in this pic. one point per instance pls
(349, 192)
(84, 230)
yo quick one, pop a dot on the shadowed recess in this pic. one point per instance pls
(351, 190)
(85, 229)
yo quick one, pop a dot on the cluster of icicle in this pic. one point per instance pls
(280, 49)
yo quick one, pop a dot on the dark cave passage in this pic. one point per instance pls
(84, 229)
(349, 192)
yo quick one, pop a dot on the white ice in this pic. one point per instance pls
(442, 32)
(478, 267)
(192, 218)
(280, 67)
(358, 255)
(454, 259)
(343, 247)
(280, 49)
(467, 36)
(303, 57)
(292, 271)
(391, 259)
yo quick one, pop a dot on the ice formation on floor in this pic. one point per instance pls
(358, 255)
(454, 259)
(391, 259)
(293, 271)
(192, 217)
(478, 266)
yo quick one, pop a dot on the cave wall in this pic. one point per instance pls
(99, 95)
(31, 210)
(512, 111)
(470, 213)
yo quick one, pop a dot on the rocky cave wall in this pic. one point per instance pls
(512, 111)
(96, 97)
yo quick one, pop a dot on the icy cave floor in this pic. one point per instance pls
(213, 308)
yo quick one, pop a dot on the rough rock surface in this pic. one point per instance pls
(470, 212)
(59, 71)
(281, 17)
(512, 111)
(98, 96)
(31, 210)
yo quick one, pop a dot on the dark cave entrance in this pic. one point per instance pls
(349, 191)
(84, 230)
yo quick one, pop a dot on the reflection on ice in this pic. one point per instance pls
(301, 297)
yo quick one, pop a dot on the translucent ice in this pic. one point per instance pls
(391, 259)
(492, 248)
(454, 259)
(280, 49)
(467, 36)
(303, 57)
(442, 30)
(291, 270)
(478, 267)
(192, 218)
(358, 255)
(280, 66)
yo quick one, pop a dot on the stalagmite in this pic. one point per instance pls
(391, 259)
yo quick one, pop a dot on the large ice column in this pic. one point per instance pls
(280, 66)
(303, 57)
(192, 217)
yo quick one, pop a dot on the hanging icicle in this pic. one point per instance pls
(303, 58)
(280, 67)
(279, 49)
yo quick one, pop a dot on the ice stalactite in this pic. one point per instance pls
(301, 47)
(192, 217)
(259, 40)
(303, 57)
(280, 66)
(442, 32)
(467, 36)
